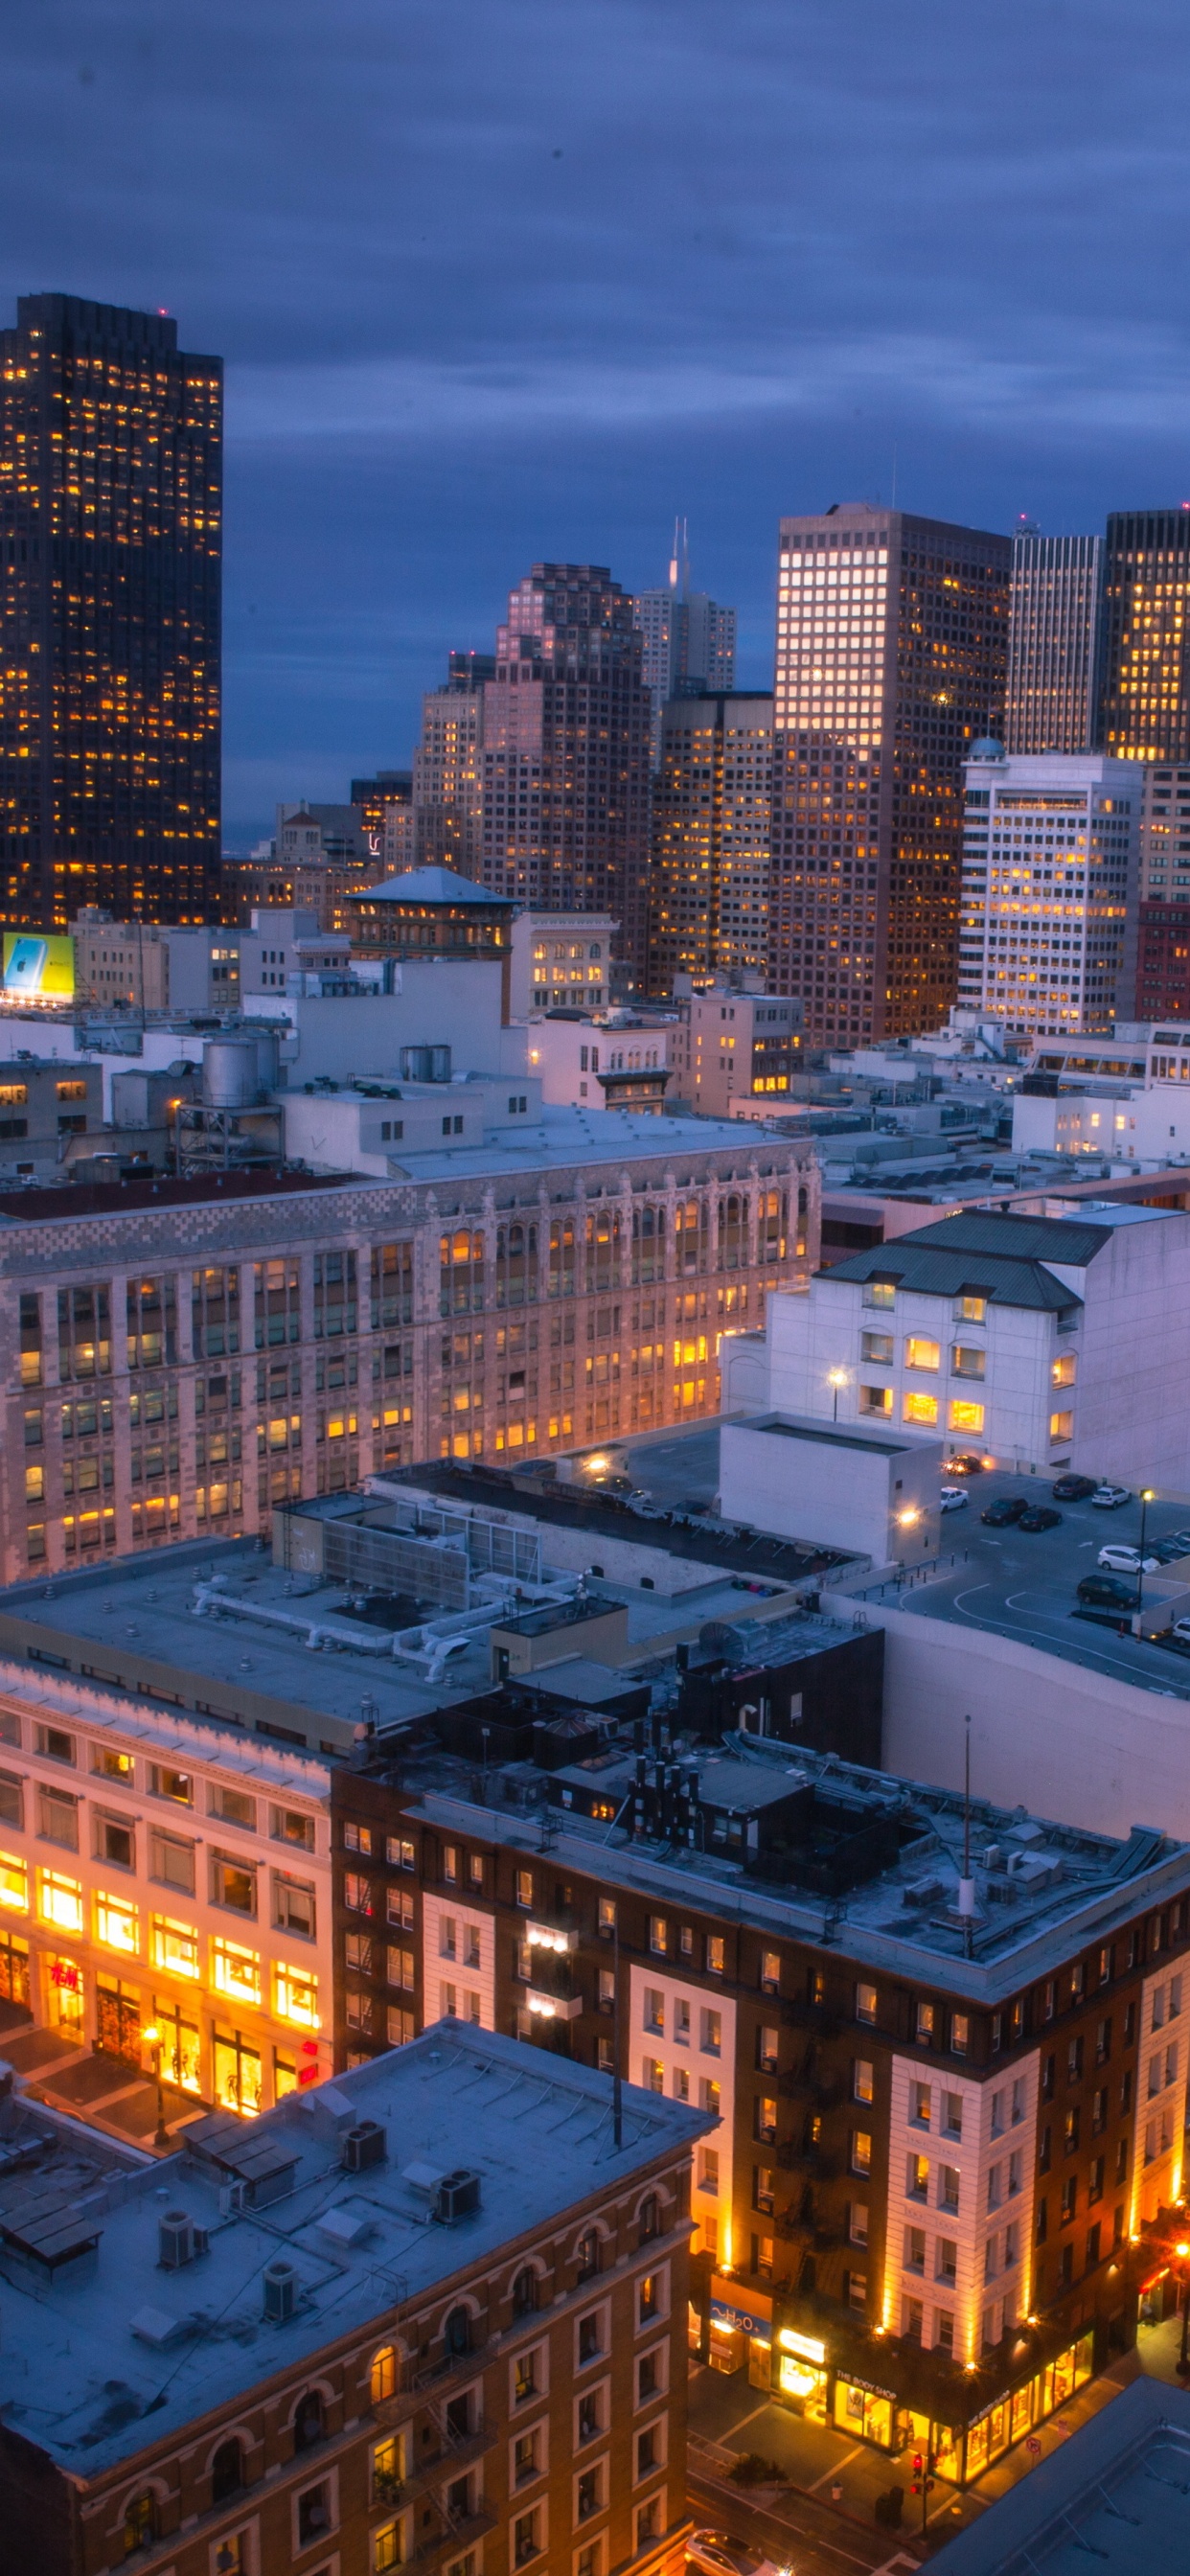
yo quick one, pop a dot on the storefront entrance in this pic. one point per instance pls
(802, 2374)
(67, 2003)
(14, 1969)
(117, 2018)
(181, 2052)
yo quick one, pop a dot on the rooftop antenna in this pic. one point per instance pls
(617, 2079)
(967, 1883)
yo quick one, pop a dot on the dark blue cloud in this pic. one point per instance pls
(504, 278)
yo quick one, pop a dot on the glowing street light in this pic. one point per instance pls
(836, 1378)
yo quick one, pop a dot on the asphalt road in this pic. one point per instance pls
(1025, 1587)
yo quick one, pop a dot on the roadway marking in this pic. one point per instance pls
(765, 2513)
(732, 2429)
(830, 2476)
(1080, 1654)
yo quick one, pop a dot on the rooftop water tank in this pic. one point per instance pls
(230, 1073)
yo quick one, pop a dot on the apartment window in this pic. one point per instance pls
(232, 1886)
(288, 1825)
(925, 2025)
(293, 1905)
(58, 1818)
(524, 1888)
(952, 2115)
(12, 1800)
(658, 1934)
(590, 2337)
(862, 2079)
(946, 2262)
(967, 1361)
(235, 1971)
(915, 2249)
(770, 1971)
(857, 2222)
(767, 2043)
(174, 1947)
(917, 2177)
(233, 1805)
(712, 2034)
(174, 1785)
(762, 2189)
(920, 1408)
(117, 1925)
(108, 1764)
(920, 2101)
(948, 2186)
(861, 2151)
(526, 2540)
(921, 1352)
(115, 1842)
(606, 1924)
(960, 2034)
(171, 1861)
(650, 2301)
(878, 1348)
(865, 2002)
(714, 1954)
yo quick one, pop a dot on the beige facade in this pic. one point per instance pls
(179, 1368)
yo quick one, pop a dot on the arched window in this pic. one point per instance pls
(650, 2217)
(456, 2333)
(227, 2471)
(524, 2293)
(308, 2421)
(382, 2377)
(140, 2523)
(588, 2254)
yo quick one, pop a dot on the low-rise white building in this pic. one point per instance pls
(560, 959)
(1042, 1342)
(615, 1063)
(873, 1492)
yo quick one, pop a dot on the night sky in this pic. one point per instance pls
(500, 279)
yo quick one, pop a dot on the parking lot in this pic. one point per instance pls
(1025, 1586)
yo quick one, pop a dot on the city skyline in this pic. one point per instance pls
(528, 332)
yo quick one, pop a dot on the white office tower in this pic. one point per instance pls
(1047, 934)
(689, 638)
(1053, 643)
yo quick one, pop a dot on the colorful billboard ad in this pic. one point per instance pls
(37, 968)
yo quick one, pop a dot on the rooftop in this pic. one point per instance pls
(861, 1859)
(700, 1538)
(435, 885)
(1116, 2492)
(96, 2341)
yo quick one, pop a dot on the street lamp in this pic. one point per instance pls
(1147, 1497)
(153, 2036)
(836, 1378)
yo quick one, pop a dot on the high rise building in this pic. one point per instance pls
(891, 656)
(110, 520)
(1145, 700)
(1053, 643)
(689, 638)
(1165, 831)
(566, 750)
(712, 824)
(447, 767)
(1049, 890)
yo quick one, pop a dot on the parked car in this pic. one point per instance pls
(1168, 1550)
(969, 1464)
(1073, 1489)
(1181, 1630)
(954, 1499)
(1039, 1517)
(1108, 1498)
(1106, 1592)
(1006, 1508)
(718, 2555)
(1127, 1560)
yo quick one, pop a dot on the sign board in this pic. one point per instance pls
(37, 968)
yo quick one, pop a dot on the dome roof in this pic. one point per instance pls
(987, 748)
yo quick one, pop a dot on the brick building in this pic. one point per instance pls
(949, 2092)
(434, 2315)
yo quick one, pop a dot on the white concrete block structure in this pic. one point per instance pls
(872, 1492)
(1042, 1342)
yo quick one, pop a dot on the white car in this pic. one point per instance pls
(954, 1498)
(1181, 1630)
(718, 2555)
(1128, 1560)
(1108, 1498)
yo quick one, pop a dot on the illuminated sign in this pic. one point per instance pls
(803, 2344)
(37, 969)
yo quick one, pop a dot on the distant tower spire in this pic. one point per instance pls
(673, 561)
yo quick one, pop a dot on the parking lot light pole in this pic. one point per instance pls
(1147, 1497)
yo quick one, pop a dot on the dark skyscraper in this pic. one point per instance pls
(1053, 643)
(110, 543)
(891, 653)
(566, 751)
(1145, 712)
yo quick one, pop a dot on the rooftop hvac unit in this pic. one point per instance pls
(458, 2196)
(366, 2144)
(280, 2292)
(178, 2239)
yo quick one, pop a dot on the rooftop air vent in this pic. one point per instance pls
(280, 2292)
(458, 2196)
(366, 2144)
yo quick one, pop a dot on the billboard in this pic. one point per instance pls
(37, 969)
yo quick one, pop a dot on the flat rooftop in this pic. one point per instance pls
(136, 1627)
(702, 1539)
(827, 1435)
(1116, 2492)
(94, 2345)
(1035, 1879)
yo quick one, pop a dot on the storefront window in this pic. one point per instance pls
(181, 2057)
(866, 2412)
(237, 2074)
(67, 2005)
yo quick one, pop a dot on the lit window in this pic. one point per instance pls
(297, 1996)
(235, 1971)
(965, 1416)
(61, 1901)
(174, 1946)
(117, 1925)
(921, 1352)
(920, 1408)
(14, 1883)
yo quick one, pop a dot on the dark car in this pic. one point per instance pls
(1006, 1508)
(1106, 1592)
(1073, 1489)
(1039, 1517)
(970, 1464)
(1168, 1550)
